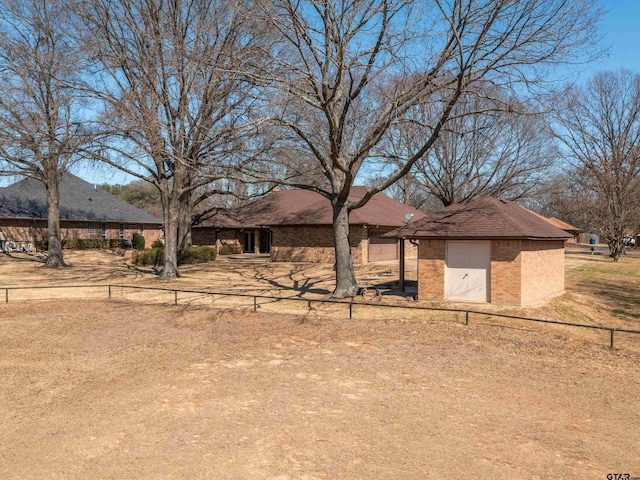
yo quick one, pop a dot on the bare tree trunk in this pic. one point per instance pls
(616, 246)
(171, 214)
(54, 249)
(346, 284)
(184, 222)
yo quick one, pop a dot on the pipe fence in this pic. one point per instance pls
(348, 304)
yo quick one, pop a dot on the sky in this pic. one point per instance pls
(620, 30)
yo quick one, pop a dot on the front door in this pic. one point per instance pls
(265, 240)
(249, 242)
(468, 271)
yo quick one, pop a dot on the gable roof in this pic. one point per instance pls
(305, 207)
(79, 200)
(483, 219)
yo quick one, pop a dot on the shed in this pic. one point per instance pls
(488, 251)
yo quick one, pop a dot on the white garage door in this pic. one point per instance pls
(468, 271)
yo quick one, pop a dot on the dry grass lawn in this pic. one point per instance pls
(91, 388)
(117, 390)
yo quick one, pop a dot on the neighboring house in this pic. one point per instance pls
(570, 229)
(296, 226)
(487, 251)
(86, 211)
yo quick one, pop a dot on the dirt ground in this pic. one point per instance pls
(91, 388)
(114, 389)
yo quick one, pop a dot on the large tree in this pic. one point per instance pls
(41, 113)
(487, 148)
(345, 73)
(175, 107)
(599, 128)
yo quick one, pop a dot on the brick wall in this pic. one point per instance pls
(542, 271)
(506, 263)
(314, 244)
(26, 230)
(214, 237)
(431, 265)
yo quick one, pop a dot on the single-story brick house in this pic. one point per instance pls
(296, 226)
(570, 229)
(487, 251)
(86, 211)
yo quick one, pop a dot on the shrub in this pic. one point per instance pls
(154, 257)
(138, 241)
(193, 255)
(85, 243)
(229, 250)
(151, 257)
(157, 244)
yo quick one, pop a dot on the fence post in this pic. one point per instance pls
(466, 320)
(255, 304)
(612, 337)
(175, 297)
(350, 310)
(109, 291)
(6, 295)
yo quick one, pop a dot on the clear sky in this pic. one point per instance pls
(620, 30)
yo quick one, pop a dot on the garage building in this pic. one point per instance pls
(488, 251)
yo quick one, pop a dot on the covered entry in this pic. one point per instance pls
(468, 271)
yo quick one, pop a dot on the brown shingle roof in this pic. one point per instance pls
(305, 207)
(485, 218)
(563, 225)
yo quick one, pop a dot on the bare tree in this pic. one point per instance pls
(345, 73)
(175, 108)
(599, 127)
(41, 114)
(489, 148)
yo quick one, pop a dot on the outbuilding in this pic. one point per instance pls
(488, 251)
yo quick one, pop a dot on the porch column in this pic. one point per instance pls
(402, 264)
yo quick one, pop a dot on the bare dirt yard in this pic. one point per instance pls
(124, 388)
(119, 390)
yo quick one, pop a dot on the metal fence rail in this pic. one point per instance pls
(349, 304)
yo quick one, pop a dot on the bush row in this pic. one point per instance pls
(85, 243)
(188, 256)
(230, 249)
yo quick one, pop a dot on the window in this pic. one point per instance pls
(104, 230)
(122, 230)
(142, 230)
(94, 229)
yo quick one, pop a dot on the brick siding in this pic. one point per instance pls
(542, 271)
(431, 265)
(214, 237)
(314, 244)
(27, 230)
(506, 263)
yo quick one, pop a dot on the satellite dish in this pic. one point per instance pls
(408, 217)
